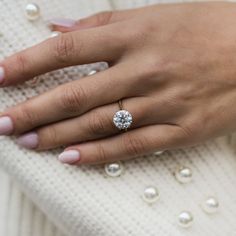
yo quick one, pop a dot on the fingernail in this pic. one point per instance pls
(62, 22)
(2, 74)
(6, 125)
(29, 140)
(69, 157)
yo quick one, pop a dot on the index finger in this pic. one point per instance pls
(73, 48)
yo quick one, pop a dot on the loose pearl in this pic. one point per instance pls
(184, 175)
(185, 219)
(55, 34)
(158, 153)
(150, 194)
(92, 72)
(210, 205)
(32, 11)
(114, 169)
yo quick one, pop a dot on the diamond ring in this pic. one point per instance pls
(122, 118)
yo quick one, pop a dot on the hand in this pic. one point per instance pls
(173, 66)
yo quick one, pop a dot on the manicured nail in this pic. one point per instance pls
(6, 125)
(62, 22)
(69, 157)
(2, 74)
(29, 140)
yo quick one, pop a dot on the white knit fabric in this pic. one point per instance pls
(83, 201)
(18, 215)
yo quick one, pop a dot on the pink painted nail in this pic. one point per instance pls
(29, 140)
(62, 22)
(2, 74)
(69, 157)
(6, 125)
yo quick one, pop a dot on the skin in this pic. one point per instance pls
(174, 67)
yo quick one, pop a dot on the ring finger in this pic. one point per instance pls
(95, 124)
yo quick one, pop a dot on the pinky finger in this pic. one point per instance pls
(127, 145)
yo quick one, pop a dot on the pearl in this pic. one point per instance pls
(32, 11)
(55, 34)
(158, 153)
(92, 72)
(210, 205)
(114, 169)
(185, 219)
(183, 175)
(150, 194)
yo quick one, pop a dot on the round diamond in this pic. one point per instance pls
(122, 119)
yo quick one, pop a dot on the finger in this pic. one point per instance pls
(100, 19)
(69, 100)
(96, 20)
(125, 146)
(95, 124)
(92, 125)
(74, 48)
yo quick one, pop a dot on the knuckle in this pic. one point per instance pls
(103, 18)
(102, 156)
(72, 98)
(21, 61)
(26, 117)
(156, 66)
(134, 146)
(50, 136)
(138, 34)
(147, 27)
(189, 130)
(97, 124)
(64, 47)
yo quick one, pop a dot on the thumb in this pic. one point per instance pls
(99, 19)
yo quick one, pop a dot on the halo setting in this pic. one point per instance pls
(122, 119)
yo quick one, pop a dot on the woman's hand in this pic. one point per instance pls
(173, 66)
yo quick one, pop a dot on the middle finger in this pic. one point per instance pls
(68, 100)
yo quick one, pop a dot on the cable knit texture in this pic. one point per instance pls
(83, 201)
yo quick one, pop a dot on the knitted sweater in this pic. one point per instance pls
(85, 201)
